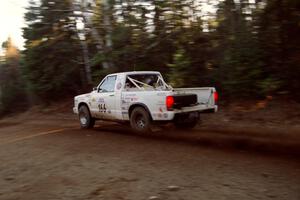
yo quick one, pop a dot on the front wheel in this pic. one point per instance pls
(140, 120)
(85, 118)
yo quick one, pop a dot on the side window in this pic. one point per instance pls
(108, 85)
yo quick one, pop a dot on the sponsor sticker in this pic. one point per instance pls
(134, 99)
(100, 100)
(161, 94)
(130, 95)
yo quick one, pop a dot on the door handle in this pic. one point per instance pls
(111, 95)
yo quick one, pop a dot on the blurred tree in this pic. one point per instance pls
(279, 30)
(53, 55)
(12, 96)
(238, 53)
(244, 48)
(179, 76)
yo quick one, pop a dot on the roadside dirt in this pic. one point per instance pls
(265, 116)
(278, 115)
(269, 125)
(46, 156)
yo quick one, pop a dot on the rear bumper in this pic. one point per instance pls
(170, 115)
(210, 110)
(199, 108)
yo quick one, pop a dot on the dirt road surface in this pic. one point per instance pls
(51, 158)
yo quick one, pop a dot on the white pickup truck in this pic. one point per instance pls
(143, 98)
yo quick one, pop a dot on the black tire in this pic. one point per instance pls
(184, 122)
(85, 118)
(140, 120)
(186, 125)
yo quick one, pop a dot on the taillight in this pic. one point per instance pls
(216, 96)
(169, 102)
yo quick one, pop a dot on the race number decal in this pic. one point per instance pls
(102, 108)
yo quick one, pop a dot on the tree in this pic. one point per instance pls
(12, 96)
(179, 76)
(278, 30)
(239, 63)
(53, 60)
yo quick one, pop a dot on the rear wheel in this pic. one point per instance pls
(188, 121)
(85, 118)
(140, 120)
(186, 125)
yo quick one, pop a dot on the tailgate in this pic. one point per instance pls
(205, 96)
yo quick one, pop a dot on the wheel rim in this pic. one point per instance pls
(140, 122)
(83, 118)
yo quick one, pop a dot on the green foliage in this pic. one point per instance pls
(278, 31)
(12, 92)
(244, 49)
(52, 50)
(179, 76)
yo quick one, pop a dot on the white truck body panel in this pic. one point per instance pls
(115, 104)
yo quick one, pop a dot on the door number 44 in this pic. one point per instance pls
(102, 108)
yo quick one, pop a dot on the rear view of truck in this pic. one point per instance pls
(204, 98)
(187, 104)
(162, 103)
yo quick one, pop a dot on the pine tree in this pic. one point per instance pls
(53, 54)
(12, 95)
(278, 31)
(239, 63)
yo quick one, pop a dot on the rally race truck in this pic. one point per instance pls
(142, 99)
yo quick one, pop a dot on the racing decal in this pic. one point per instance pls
(102, 108)
(127, 98)
(165, 115)
(100, 100)
(161, 103)
(161, 94)
(93, 99)
(124, 102)
(130, 95)
(131, 99)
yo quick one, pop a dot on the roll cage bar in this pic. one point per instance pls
(136, 82)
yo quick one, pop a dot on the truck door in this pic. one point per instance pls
(103, 101)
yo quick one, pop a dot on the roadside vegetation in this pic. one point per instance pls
(246, 49)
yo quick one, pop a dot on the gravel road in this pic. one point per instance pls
(40, 159)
